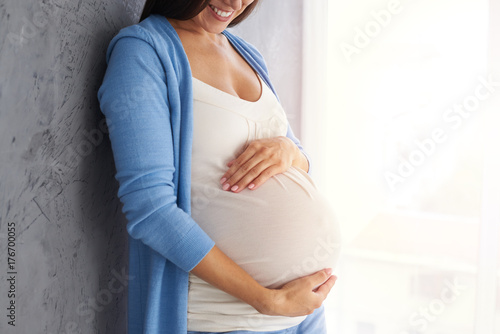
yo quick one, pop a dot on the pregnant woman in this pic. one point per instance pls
(228, 232)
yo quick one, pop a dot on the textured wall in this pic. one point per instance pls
(60, 219)
(57, 187)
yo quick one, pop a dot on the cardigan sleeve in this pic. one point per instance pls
(133, 98)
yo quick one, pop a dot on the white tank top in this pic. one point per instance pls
(280, 231)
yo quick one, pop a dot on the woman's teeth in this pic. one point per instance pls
(220, 12)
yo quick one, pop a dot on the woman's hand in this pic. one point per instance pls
(300, 296)
(259, 161)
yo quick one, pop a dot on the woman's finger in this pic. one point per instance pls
(246, 155)
(253, 166)
(300, 297)
(244, 174)
(319, 277)
(255, 182)
(324, 289)
(245, 170)
(258, 175)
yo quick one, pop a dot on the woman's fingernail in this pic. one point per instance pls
(251, 186)
(225, 186)
(223, 180)
(234, 188)
(328, 271)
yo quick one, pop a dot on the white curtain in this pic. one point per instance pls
(400, 113)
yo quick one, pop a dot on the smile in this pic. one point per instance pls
(219, 12)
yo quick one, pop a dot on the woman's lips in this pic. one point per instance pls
(220, 14)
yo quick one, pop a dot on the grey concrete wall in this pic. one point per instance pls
(57, 186)
(63, 253)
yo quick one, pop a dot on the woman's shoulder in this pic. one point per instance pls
(155, 30)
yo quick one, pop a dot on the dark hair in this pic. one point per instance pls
(186, 9)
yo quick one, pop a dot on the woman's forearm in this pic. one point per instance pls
(298, 297)
(223, 273)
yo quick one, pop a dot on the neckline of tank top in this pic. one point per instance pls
(225, 96)
(261, 110)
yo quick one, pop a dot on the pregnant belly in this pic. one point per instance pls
(283, 230)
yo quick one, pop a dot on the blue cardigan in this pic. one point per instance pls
(147, 99)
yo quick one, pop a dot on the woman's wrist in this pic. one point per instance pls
(299, 159)
(302, 162)
(263, 300)
(269, 301)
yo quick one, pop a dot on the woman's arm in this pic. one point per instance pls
(295, 298)
(133, 97)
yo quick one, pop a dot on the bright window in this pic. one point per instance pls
(405, 156)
